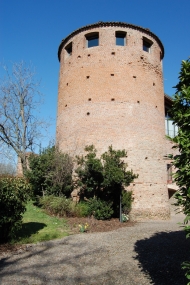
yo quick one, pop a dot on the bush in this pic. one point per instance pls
(100, 209)
(58, 206)
(104, 178)
(82, 209)
(14, 193)
(180, 114)
(126, 201)
(50, 173)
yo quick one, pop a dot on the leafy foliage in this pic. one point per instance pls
(126, 201)
(101, 210)
(14, 193)
(58, 206)
(180, 114)
(105, 177)
(50, 173)
(82, 209)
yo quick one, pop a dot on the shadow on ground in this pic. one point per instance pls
(30, 228)
(161, 255)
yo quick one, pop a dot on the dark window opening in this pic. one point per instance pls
(120, 38)
(89, 99)
(169, 173)
(112, 99)
(112, 74)
(88, 113)
(92, 40)
(68, 49)
(146, 45)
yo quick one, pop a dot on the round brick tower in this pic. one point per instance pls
(111, 93)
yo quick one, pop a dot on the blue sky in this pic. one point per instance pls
(31, 30)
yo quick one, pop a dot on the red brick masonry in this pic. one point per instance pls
(113, 95)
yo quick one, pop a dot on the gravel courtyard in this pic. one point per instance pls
(147, 253)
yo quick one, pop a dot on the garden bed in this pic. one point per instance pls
(96, 225)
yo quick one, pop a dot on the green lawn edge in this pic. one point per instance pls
(38, 226)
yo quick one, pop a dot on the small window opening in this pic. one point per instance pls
(134, 76)
(88, 54)
(92, 40)
(67, 84)
(112, 74)
(138, 101)
(66, 105)
(112, 99)
(88, 113)
(154, 84)
(120, 38)
(79, 56)
(169, 173)
(69, 48)
(113, 52)
(89, 99)
(147, 45)
(87, 77)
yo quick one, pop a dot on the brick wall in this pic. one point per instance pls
(113, 95)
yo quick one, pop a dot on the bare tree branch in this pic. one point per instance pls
(20, 100)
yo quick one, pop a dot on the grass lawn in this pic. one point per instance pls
(38, 226)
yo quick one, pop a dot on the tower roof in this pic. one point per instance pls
(109, 24)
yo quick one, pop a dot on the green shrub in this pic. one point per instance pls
(50, 173)
(58, 206)
(14, 193)
(180, 114)
(126, 201)
(103, 178)
(100, 209)
(82, 209)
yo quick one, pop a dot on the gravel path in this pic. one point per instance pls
(148, 253)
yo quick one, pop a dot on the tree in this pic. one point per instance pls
(14, 193)
(180, 114)
(105, 177)
(50, 173)
(20, 126)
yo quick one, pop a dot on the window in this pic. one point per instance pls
(120, 38)
(92, 40)
(169, 173)
(171, 129)
(147, 45)
(68, 49)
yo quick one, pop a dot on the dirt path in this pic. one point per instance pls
(147, 253)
